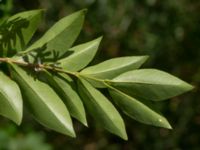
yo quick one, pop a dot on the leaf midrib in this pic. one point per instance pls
(148, 83)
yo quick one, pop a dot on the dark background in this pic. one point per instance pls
(167, 31)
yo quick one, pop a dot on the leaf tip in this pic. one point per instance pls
(85, 123)
(123, 133)
(164, 123)
(71, 133)
(98, 40)
(19, 121)
(168, 126)
(189, 87)
(125, 137)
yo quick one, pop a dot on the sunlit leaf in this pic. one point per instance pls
(10, 99)
(150, 84)
(80, 55)
(138, 110)
(101, 109)
(114, 67)
(63, 85)
(43, 102)
(60, 37)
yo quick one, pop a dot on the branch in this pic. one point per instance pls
(37, 66)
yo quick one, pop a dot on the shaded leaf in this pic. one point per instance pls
(81, 55)
(114, 67)
(60, 37)
(101, 109)
(63, 84)
(10, 99)
(150, 84)
(138, 110)
(18, 30)
(43, 102)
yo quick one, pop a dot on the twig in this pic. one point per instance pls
(39, 66)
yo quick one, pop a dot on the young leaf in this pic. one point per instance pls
(63, 84)
(114, 67)
(101, 109)
(60, 37)
(43, 102)
(150, 84)
(19, 29)
(81, 55)
(10, 99)
(137, 110)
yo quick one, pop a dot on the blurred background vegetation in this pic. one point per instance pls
(168, 31)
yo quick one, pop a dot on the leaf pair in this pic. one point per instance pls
(43, 102)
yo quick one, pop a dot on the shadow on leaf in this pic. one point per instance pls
(9, 32)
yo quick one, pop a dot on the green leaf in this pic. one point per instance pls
(81, 55)
(10, 99)
(97, 83)
(137, 110)
(43, 102)
(63, 85)
(114, 67)
(150, 84)
(101, 109)
(60, 37)
(19, 29)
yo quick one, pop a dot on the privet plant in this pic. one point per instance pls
(51, 79)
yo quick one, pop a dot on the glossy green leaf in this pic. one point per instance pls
(80, 55)
(150, 84)
(114, 67)
(101, 109)
(138, 110)
(60, 37)
(43, 102)
(19, 29)
(10, 99)
(64, 87)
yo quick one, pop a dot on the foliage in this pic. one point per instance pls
(51, 78)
